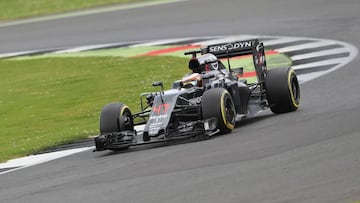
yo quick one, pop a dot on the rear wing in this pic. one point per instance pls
(249, 47)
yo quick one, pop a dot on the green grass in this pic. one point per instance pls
(47, 102)
(15, 9)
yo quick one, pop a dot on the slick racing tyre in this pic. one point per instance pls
(115, 117)
(218, 103)
(282, 90)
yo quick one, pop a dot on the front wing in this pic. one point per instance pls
(125, 139)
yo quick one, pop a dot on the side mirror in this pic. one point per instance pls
(159, 83)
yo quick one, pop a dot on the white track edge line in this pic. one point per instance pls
(32, 160)
(306, 46)
(320, 53)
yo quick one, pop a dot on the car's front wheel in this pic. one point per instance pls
(218, 103)
(115, 117)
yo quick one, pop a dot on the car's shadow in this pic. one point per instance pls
(245, 122)
(157, 145)
(254, 119)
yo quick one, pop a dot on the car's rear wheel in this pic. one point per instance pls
(282, 90)
(218, 103)
(116, 117)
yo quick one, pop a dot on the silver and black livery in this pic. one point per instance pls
(209, 100)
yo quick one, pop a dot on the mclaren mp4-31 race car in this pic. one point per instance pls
(210, 100)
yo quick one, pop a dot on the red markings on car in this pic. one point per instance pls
(161, 108)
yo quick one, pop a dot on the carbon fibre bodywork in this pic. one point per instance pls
(207, 101)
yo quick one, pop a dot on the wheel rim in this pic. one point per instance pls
(228, 111)
(293, 85)
(125, 115)
(127, 121)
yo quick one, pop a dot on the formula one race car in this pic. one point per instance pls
(208, 101)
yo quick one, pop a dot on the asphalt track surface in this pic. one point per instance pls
(312, 155)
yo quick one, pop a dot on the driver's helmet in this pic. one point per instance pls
(192, 80)
(211, 66)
